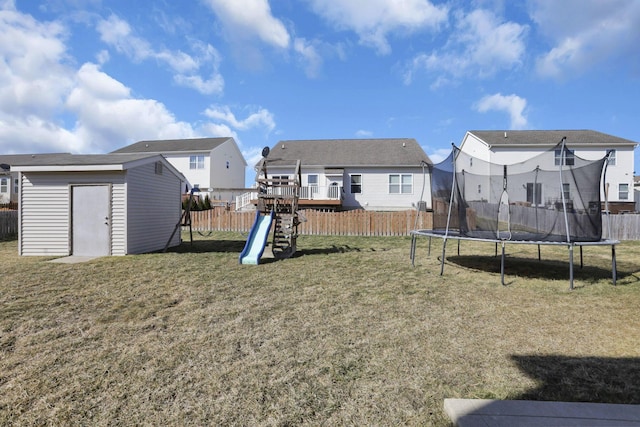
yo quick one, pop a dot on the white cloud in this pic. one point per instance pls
(244, 19)
(117, 33)
(510, 104)
(364, 133)
(374, 20)
(311, 59)
(260, 119)
(586, 33)
(107, 116)
(480, 45)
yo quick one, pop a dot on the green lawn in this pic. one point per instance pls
(347, 332)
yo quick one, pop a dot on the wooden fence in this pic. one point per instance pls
(372, 223)
(348, 223)
(8, 224)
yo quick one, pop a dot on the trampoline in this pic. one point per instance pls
(553, 198)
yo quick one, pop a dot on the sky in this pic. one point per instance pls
(92, 76)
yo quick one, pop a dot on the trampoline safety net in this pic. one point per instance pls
(552, 197)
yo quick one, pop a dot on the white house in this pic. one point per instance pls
(101, 204)
(508, 147)
(215, 165)
(344, 174)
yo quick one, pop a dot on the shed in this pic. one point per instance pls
(97, 205)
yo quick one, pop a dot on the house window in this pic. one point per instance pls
(15, 186)
(611, 154)
(312, 181)
(356, 184)
(566, 189)
(401, 184)
(4, 185)
(623, 191)
(158, 168)
(196, 162)
(569, 157)
(534, 193)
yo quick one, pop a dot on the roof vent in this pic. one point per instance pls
(404, 144)
(146, 145)
(505, 134)
(283, 147)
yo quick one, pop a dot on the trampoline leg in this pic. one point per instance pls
(501, 265)
(458, 247)
(496, 249)
(444, 245)
(412, 253)
(429, 250)
(580, 256)
(613, 264)
(571, 267)
(539, 257)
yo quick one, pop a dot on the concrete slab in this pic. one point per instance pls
(510, 413)
(73, 259)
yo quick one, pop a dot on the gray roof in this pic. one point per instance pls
(334, 153)
(173, 145)
(21, 159)
(548, 137)
(66, 159)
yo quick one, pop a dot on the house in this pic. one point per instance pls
(214, 165)
(344, 174)
(95, 205)
(9, 183)
(508, 147)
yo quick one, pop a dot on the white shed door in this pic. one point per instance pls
(90, 235)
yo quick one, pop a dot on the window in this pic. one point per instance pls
(15, 186)
(566, 189)
(401, 184)
(612, 157)
(569, 157)
(196, 162)
(356, 184)
(623, 191)
(4, 185)
(534, 193)
(312, 181)
(158, 168)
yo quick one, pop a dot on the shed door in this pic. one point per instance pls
(90, 235)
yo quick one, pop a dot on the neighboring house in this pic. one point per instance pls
(343, 174)
(512, 146)
(95, 205)
(215, 165)
(9, 184)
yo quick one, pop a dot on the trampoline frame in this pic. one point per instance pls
(570, 245)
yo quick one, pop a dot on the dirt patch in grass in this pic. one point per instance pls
(346, 332)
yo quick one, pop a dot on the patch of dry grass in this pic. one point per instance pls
(345, 333)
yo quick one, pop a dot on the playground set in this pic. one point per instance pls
(277, 207)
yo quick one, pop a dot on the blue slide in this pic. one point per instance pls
(257, 240)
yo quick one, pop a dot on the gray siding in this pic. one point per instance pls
(45, 210)
(153, 208)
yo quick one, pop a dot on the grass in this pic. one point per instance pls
(345, 333)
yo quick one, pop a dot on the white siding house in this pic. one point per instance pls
(342, 174)
(109, 204)
(513, 146)
(215, 165)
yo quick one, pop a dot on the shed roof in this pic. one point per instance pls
(88, 162)
(548, 137)
(336, 153)
(174, 145)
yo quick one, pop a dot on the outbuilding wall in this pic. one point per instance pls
(45, 204)
(154, 208)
